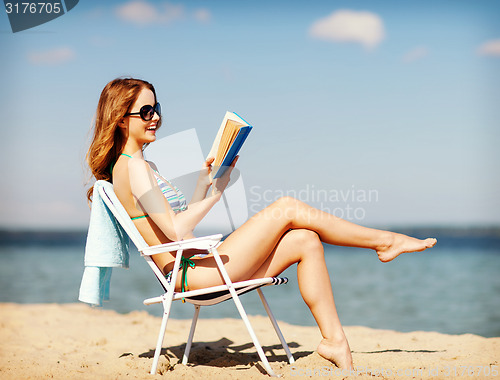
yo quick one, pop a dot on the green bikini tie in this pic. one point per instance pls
(111, 166)
(185, 264)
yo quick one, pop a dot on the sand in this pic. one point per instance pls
(74, 341)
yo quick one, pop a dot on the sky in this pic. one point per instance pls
(385, 113)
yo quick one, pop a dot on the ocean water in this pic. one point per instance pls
(453, 288)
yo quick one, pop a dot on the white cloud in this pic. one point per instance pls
(143, 13)
(202, 15)
(415, 54)
(491, 48)
(52, 57)
(365, 28)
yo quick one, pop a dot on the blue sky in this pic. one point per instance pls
(347, 97)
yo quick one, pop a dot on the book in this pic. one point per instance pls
(228, 142)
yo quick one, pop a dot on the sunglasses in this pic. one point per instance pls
(147, 112)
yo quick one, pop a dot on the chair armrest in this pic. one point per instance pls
(205, 242)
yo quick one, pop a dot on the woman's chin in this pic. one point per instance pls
(150, 137)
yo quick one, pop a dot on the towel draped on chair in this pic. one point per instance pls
(107, 247)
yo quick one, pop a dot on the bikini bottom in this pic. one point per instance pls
(185, 264)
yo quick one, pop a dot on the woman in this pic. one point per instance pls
(284, 233)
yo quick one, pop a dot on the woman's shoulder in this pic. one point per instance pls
(126, 170)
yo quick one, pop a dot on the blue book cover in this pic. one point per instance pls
(228, 126)
(233, 151)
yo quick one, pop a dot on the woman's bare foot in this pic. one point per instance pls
(396, 244)
(337, 352)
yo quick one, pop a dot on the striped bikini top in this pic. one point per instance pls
(172, 194)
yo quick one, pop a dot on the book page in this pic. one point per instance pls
(215, 145)
(228, 136)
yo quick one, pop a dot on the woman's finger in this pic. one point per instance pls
(234, 161)
(209, 161)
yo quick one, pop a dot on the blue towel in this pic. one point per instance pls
(107, 247)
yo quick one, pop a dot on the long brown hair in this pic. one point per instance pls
(116, 99)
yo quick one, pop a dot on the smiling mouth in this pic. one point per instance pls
(153, 128)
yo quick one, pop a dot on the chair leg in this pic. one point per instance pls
(159, 343)
(167, 303)
(256, 343)
(242, 312)
(291, 360)
(191, 334)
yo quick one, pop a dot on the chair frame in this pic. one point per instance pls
(210, 244)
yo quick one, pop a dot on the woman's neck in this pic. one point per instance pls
(132, 149)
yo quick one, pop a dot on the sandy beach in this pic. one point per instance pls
(74, 341)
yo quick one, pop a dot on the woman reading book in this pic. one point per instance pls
(286, 232)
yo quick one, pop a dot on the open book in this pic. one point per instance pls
(230, 137)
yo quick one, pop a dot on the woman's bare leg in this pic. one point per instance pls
(266, 227)
(256, 243)
(304, 248)
(247, 248)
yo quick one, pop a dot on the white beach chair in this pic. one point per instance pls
(202, 297)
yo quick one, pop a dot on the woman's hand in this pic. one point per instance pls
(204, 178)
(220, 184)
(204, 181)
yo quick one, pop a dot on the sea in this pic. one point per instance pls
(453, 288)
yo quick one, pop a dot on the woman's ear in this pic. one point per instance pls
(123, 124)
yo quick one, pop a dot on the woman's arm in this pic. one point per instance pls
(204, 181)
(151, 200)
